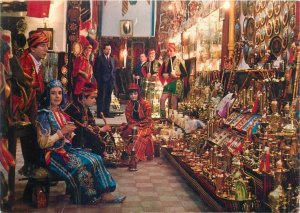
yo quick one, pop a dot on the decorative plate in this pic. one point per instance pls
(292, 8)
(285, 39)
(251, 56)
(270, 9)
(74, 14)
(237, 11)
(277, 25)
(263, 4)
(263, 18)
(250, 29)
(257, 21)
(291, 37)
(245, 51)
(257, 37)
(293, 22)
(276, 45)
(76, 48)
(244, 7)
(251, 8)
(277, 8)
(237, 31)
(269, 28)
(257, 6)
(285, 18)
(64, 70)
(262, 34)
(73, 26)
(64, 80)
(72, 37)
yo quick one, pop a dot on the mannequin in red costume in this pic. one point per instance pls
(83, 70)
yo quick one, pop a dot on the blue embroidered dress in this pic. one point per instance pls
(85, 175)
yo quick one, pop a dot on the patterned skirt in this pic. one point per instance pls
(85, 174)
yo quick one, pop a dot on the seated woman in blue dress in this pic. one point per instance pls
(87, 180)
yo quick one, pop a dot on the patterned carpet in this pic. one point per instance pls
(155, 187)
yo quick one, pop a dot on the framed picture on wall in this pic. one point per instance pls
(126, 28)
(49, 33)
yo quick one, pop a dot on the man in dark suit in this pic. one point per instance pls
(105, 74)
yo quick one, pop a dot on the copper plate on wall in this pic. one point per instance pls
(263, 18)
(250, 29)
(263, 4)
(285, 18)
(277, 8)
(276, 45)
(237, 31)
(257, 21)
(257, 6)
(251, 56)
(251, 8)
(269, 28)
(237, 11)
(257, 37)
(262, 34)
(76, 48)
(245, 51)
(285, 38)
(292, 8)
(292, 22)
(277, 25)
(64, 70)
(270, 9)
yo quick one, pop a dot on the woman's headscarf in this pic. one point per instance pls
(46, 96)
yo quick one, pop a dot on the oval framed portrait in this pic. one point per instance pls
(270, 9)
(76, 48)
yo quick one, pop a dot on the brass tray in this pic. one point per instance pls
(237, 7)
(270, 9)
(262, 18)
(269, 28)
(285, 17)
(292, 22)
(237, 31)
(285, 39)
(262, 34)
(277, 25)
(250, 29)
(277, 8)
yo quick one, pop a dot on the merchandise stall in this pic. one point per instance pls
(235, 137)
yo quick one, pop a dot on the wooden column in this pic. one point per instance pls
(231, 30)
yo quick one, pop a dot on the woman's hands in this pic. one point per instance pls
(68, 128)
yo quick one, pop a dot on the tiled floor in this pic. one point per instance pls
(155, 187)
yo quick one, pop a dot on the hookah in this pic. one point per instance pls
(133, 160)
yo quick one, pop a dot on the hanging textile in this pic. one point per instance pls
(38, 9)
(124, 7)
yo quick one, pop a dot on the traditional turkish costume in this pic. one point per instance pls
(84, 172)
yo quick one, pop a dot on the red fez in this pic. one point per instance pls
(133, 86)
(150, 51)
(89, 89)
(37, 37)
(171, 47)
(84, 42)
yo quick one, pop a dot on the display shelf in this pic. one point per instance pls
(204, 187)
